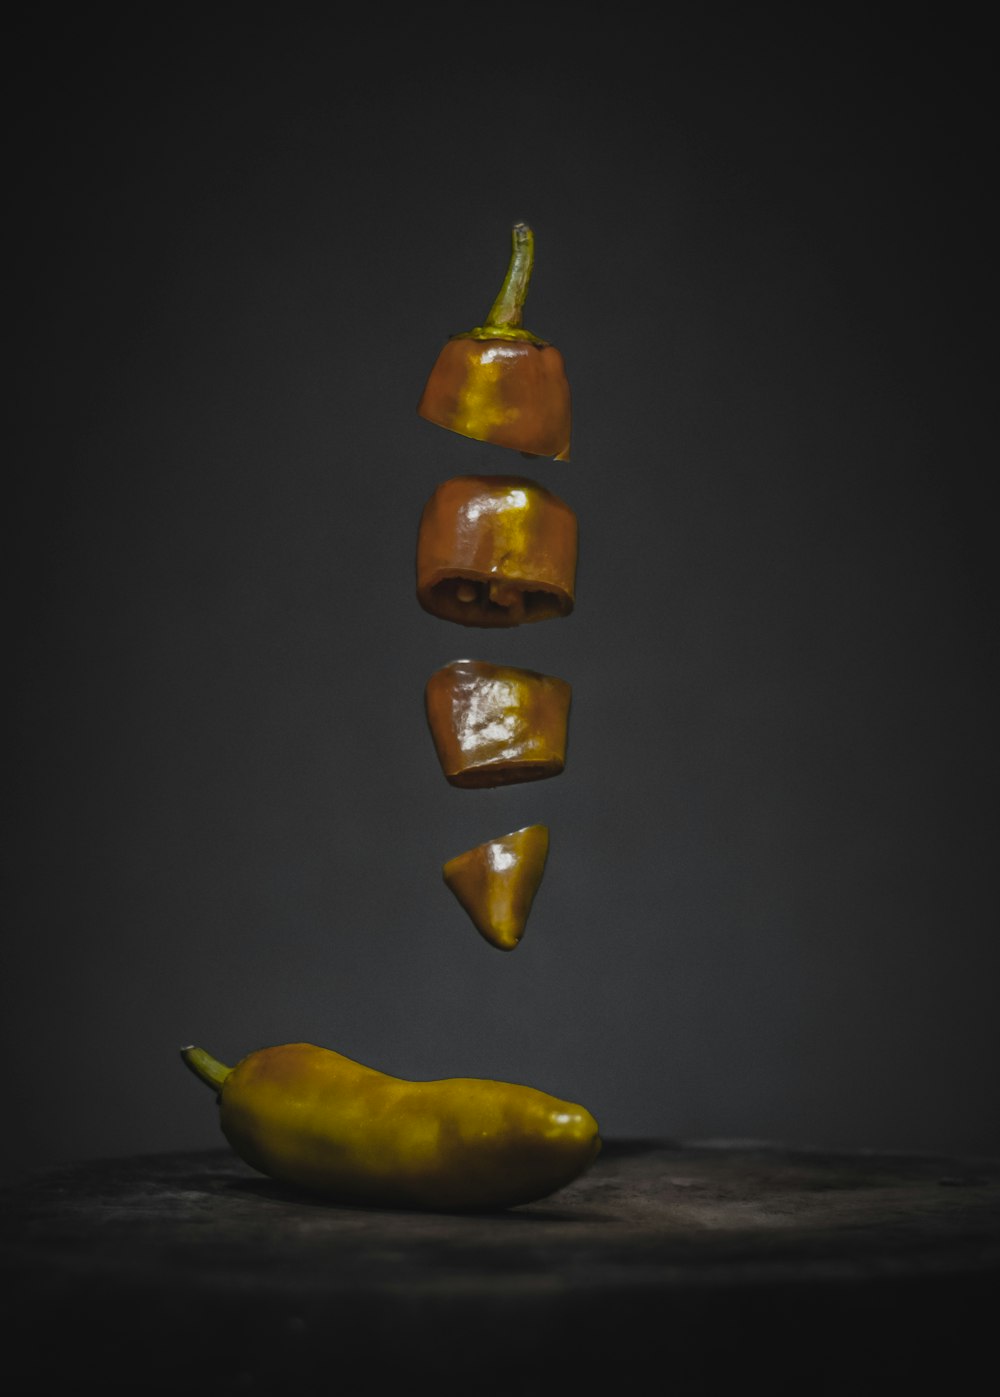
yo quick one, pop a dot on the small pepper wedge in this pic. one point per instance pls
(500, 383)
(496, 550)
(309, 1117)
(496, 725)
(496, 882)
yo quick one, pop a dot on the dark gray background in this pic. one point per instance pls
(770, 904)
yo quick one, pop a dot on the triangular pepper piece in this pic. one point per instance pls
(496, 882)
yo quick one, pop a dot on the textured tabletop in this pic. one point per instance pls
(782, 1271)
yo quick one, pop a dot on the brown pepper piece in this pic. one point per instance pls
(508, 392)
(500, 383)
(496, 882)
(496, 550)
(495, 725)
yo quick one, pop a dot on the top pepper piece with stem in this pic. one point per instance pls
(498, 382)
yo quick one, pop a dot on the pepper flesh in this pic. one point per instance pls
(495, 725)
(496, 882)
(310, 1117)
(496, 550)
(500, 383)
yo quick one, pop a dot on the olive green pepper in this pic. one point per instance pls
(312, 1118)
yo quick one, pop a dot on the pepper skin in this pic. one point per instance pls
(311, 1118)
(496, 550)
(496, 882)
(498, 382)
(495, 725)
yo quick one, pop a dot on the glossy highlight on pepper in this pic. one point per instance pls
(496, 882)
(496, 550)
(317, 1120)
(500, 383)
(495, 725)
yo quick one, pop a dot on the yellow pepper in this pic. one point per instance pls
(494, 725)
(500, 383)
(309, 1117)
(496, 550)
(496, 882)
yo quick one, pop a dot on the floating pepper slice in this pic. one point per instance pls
(494, 725)
(496, 550)
(500, 383)
(496, 882)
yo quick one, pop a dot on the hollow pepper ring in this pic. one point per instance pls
(496, 550)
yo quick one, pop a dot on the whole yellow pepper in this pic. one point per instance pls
(310, 1117)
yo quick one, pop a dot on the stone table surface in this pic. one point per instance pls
(715, 1269)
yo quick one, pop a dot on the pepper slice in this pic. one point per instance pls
(494, 725)
(496, 550)
(498, 382)
(496, 882)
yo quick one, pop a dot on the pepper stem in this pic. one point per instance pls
(206, 1067)
(509, 304)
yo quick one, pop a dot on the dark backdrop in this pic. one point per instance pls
(770, 905)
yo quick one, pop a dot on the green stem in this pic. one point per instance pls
(509, 304)
(206, 1067)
